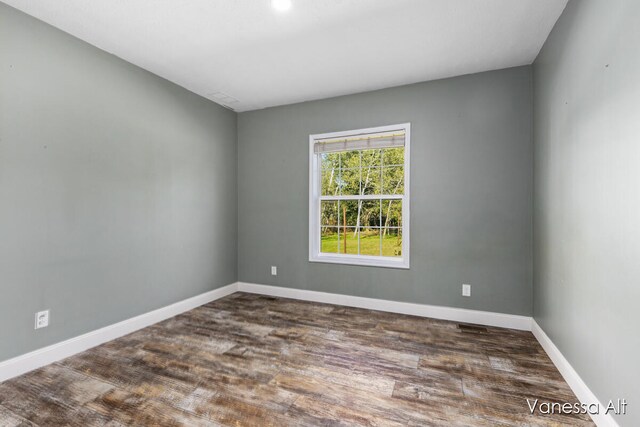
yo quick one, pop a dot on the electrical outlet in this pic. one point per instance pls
(274, 270)
(42, 319)
(466, 290)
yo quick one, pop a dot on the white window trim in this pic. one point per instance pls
(314, 205)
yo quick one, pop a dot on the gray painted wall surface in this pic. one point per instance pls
(471, 192)
(117, 188)
(587, 195)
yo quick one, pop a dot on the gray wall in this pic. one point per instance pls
(587, 194)
(471, 192)
(117, 188)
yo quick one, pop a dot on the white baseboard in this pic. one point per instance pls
(44, 356)
(437, 312)
(581, 390)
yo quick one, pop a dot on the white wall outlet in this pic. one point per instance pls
(274, 270)
(466, 290)
(42, 319)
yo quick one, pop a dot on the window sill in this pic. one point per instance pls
(367, 261)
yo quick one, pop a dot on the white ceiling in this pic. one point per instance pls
(258, 57)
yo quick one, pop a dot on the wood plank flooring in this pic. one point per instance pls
(261, 361)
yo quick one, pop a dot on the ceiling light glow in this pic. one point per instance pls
(281, 5)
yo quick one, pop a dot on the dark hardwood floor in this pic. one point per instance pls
(255, 360)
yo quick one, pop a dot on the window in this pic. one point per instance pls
(359, 197)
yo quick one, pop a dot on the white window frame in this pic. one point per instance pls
(315, 255)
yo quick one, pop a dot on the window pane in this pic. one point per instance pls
(370, 158)
(393, 180)
(330, 181)
(329, 240)
(391, 213)
(371, 181)
(370, 213)
(348, 240)
(329, 213)
(349, 213)
(350, 159)
(392, 242)
(330, 161)
(393, 156)
(370, 241)
(350, 182)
